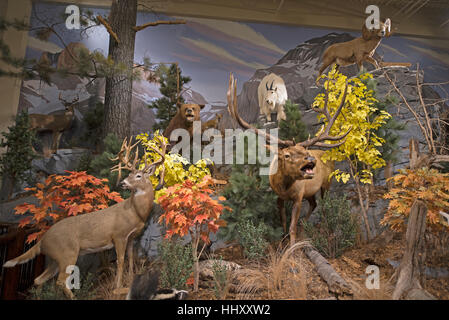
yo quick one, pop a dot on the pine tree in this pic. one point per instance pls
(167, 105)
(16, 161)
(293, 128)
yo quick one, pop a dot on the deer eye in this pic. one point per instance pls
(138, 176)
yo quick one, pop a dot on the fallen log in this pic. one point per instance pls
(335, 282)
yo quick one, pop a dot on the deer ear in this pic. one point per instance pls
(366, 33)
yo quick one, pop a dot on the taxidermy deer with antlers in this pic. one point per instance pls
(357, 50)
(115, 226)
(300, 173)
(56, 123)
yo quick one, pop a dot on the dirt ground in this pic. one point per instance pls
(351, 266)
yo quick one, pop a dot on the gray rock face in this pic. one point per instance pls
(63, 160)
(299, 69)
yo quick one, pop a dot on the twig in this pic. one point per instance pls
(156, 23)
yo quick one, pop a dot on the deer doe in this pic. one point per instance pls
(115, 226)
(56, 123)
(300, 172)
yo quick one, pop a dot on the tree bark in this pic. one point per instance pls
(118, 92)
(410, 270)
(335, 282)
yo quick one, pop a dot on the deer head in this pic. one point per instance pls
(138, 178)
(294, 159)
(69, 104)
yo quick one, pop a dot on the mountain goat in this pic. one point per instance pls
(272, 96)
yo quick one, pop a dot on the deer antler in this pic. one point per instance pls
(65, 102)
(233, 111)
(316, 141)
(324, 135)
(124, 158)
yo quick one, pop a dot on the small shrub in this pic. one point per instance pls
(250, 197)
(189, 209)
(252, 238)
(177, 263)
(221, 277)
(51, 291)
(427, 185)
(63, 196)
(337, 229)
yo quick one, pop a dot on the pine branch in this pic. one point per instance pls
(156, 23)
(108, 28)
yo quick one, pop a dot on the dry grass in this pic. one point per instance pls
(284, 276)
(361, 292)
(106, 289)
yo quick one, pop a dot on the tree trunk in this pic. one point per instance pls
(118, 93)
(410, 269)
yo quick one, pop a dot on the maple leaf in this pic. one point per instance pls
(32, 237)
(24, 222)
(200, 218)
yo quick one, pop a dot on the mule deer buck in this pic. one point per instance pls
(115, 226)
(300, 173)
(56, 123)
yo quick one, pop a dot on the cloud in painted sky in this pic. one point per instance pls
(382, 45)
(43, 45)
(239, 31)
(211, 50)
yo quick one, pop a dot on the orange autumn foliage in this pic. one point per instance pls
(428, 185)
(63, 196)
(188, 207)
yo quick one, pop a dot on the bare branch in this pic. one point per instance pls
(156, 23)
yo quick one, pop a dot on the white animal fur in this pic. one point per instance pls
(272, 100)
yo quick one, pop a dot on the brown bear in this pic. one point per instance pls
(187, 113)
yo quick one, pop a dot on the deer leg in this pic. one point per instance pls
(294, 221)
(281, 209)
(372, 61)
(49, 272)
(57, 137)
(312, 206)
(120, 248)
(62, 277)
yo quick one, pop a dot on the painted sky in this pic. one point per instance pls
(207, 50)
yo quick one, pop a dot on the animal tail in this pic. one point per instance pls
(30, 254)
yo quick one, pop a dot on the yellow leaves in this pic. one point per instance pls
(358, 113)
(177, 168)
(340, 176)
